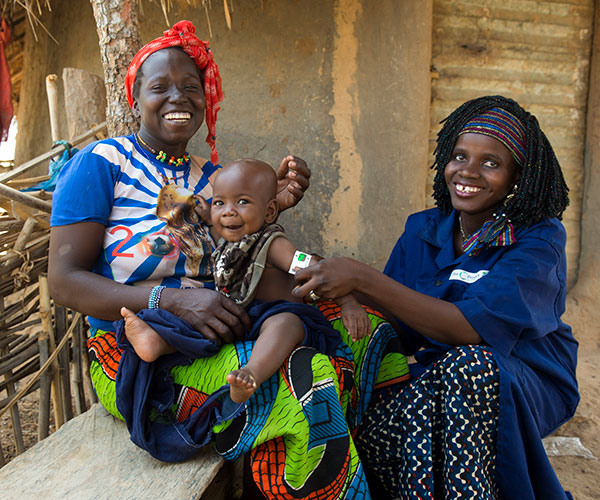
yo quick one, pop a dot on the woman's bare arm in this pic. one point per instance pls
(281, 253)
(437, 319)
(74, 250)
(73, 253)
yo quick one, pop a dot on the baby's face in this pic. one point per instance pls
(241, 204)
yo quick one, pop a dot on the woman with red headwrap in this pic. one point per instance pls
(125, 234)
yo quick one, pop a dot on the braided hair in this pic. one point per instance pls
(541, 190)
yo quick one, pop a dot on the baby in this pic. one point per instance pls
(254, 265)
(243, 213)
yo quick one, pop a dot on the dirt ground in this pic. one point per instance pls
(28, 412)
(577, 474)
(580, 475)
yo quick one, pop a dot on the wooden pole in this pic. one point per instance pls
(119, 36)
(25, 199)
(14, 412)
(35, 379)
(30, 181)
(84, 98)
(36, 247)
(25, 234)
(10, 390)
(11, 225)
(60, 328)
(46, 316)
(58, 150)
(88, 387)
(52, 91)
(45, 381)
(22, 239)
(76, 370)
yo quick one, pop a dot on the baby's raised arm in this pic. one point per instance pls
(202, 210)
(283, 255)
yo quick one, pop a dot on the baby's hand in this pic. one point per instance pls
(355, 318)
(202, 209)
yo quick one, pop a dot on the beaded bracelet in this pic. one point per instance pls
(154, 297)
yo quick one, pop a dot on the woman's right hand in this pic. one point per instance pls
(329, 278)
(217, 317)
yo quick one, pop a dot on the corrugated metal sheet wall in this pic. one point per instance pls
(535, 52)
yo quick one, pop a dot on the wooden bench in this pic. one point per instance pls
(92, 457)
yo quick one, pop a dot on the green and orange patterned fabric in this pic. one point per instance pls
(298, 425)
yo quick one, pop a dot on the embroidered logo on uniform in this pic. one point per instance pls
(466, 276)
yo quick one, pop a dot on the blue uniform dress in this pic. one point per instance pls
(513, 297)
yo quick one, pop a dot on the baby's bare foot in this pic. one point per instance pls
(242, 383)
(146, 342)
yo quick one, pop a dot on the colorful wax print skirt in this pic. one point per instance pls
(435, 437)
(298, 426)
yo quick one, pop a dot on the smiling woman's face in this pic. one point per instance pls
(170, 103)
(479, 176)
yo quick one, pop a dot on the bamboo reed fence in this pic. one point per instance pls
(42, 344)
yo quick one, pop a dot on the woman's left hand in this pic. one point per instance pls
(292, 181)
(329, 278)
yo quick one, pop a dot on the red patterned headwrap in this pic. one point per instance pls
(182, 34)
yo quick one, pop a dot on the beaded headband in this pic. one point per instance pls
(182, 34)
(503, 126)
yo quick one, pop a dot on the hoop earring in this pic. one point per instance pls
(511, 194)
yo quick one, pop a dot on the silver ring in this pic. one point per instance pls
(313, 296)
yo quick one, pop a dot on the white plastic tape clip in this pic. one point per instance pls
(300, 261)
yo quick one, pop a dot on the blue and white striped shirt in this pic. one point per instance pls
(117, 183)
